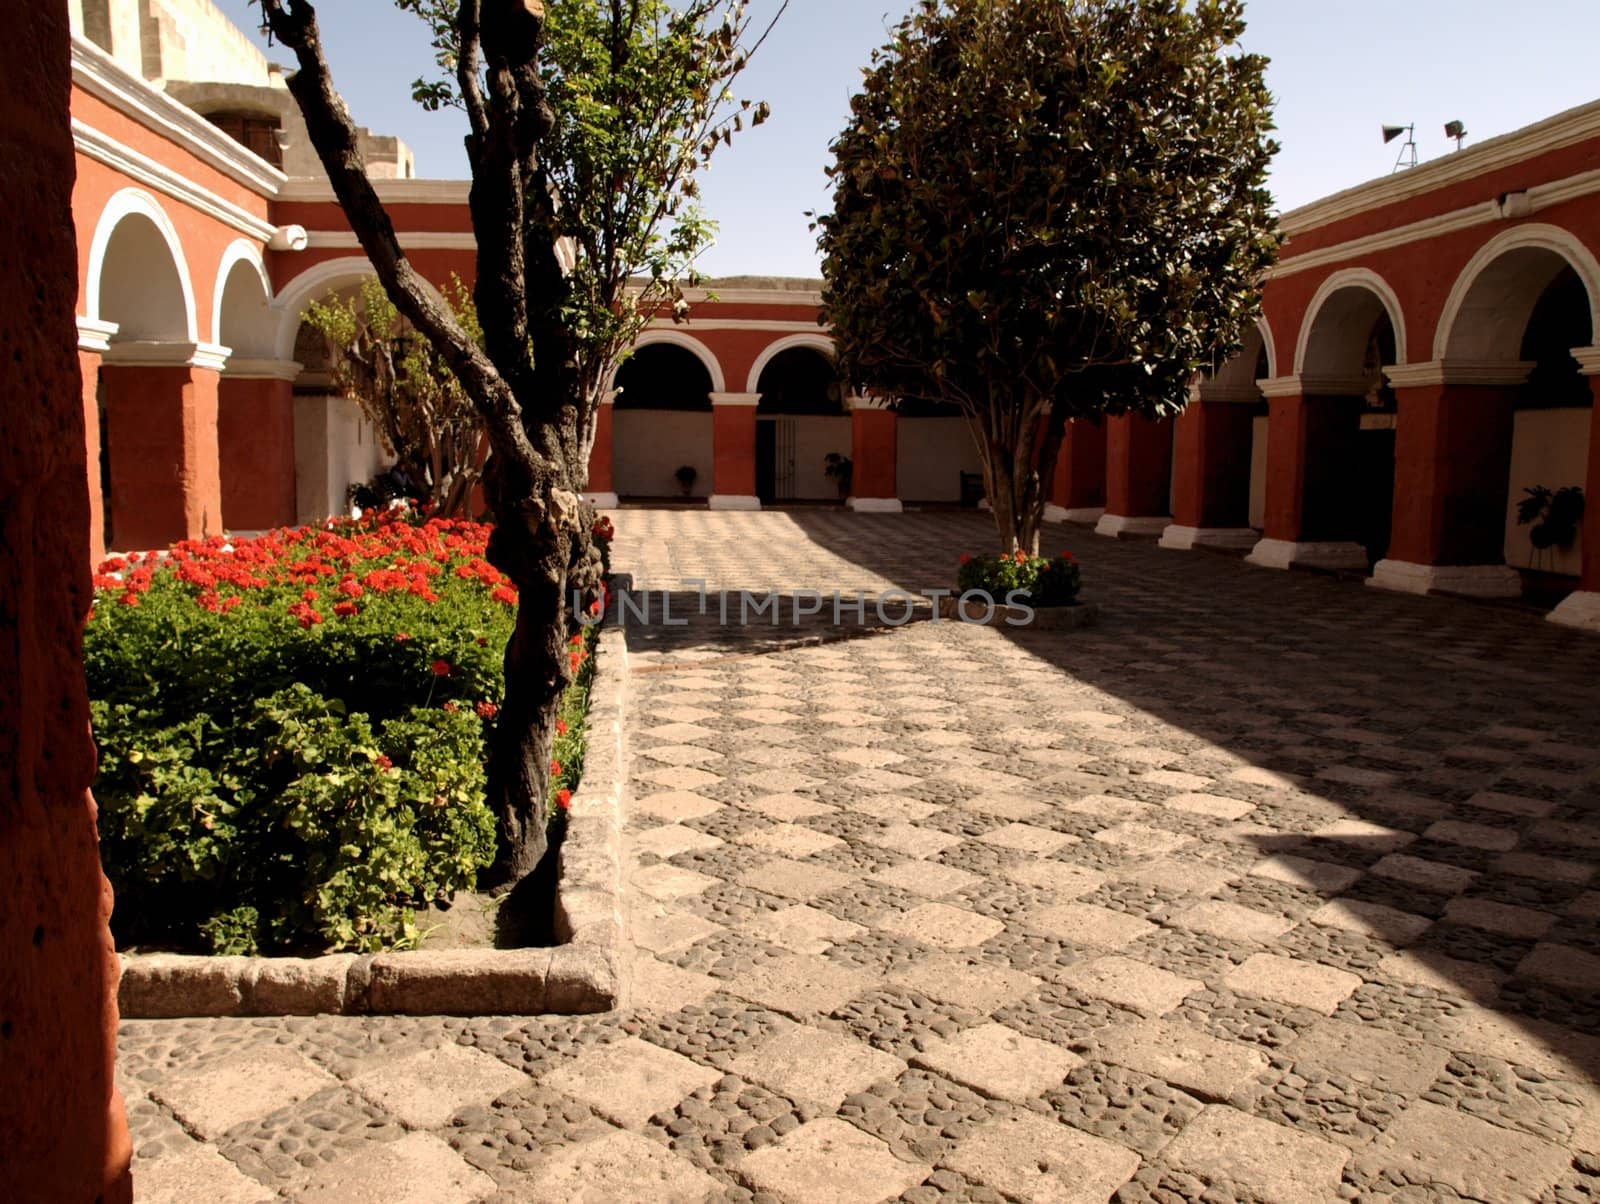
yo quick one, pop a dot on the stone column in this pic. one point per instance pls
(602, 491)
(1138, 476)
(161, 411)
(733, 440)
(255, 443)
(1211, 470)
(1078, 492)
(1452, 464)
(63, 1134)
(94, 338)
(1582, 607)
(874, 456)
(1312, 426)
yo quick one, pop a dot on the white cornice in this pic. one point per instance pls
(104, 149)
(735, 399)
(100, 75)
(1530, 202)
(773, 324)
(1564, 129)
(95, 335)
(752, 296)
(247, 369)
(1588, 360)
(167, 355)
(1314, 386)
(1457, 372)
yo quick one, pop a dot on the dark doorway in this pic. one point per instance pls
(767, 462)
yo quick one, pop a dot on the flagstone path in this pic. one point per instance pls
(1268, 888)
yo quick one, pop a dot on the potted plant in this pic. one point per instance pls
(1553, 516)
(1018, 590)
(839, 469)
(686, 477)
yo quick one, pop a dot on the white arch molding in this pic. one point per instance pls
(816, 342)
(125, 203)
(240, 251)
(676, 338)
(1240, 371)
(1267, 341)
(315, 283)
(1531, 236)
(1346, 278)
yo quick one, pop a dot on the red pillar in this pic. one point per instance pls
(733, 451)
(1582, 607)
(162, 428)
(90, 349)
(255, 449)
(1310, 447)
(63, 1134)
(1452, 467)
(602, 490)
(1138, 476)
(1079, 490)
(874, 455)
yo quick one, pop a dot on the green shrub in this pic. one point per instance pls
(1048, 582)
(292, 729)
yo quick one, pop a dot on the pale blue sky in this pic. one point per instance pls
(1340, 69)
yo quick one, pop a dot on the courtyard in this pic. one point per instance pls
(1267, 887)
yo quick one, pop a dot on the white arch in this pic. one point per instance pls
(1240, 371)
(129, 202)
(1267, 341)
(1363, 278)
(694, 346)
(314, 284)
(1533, 235)
(240, 250)
(817, 342)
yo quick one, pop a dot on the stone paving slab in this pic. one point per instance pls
(1267, 887)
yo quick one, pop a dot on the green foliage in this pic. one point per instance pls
(1554, 515)
(640, 95)
(407, 391)
(292, 733)
(1048, 203)
(1047, 582)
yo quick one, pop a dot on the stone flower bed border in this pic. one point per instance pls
(587, 972)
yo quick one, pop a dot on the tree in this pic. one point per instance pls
(1048, 210)
(420, 411)
(587, 121)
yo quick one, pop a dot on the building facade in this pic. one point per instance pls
(1426, 354)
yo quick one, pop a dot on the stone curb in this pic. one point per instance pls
(587, 972)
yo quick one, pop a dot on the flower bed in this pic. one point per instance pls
(1046, 582)
(291, 732)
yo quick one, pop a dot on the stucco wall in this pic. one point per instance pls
(648, 446)
(814, 438)
(934, 452)
(334, 448)
(1550, 448)
(175, 39)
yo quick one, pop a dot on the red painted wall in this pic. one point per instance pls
(1138, 467)
(875, 450)
(1211, 470)
(161, 424)
(62, 1129)
(733, 434)
(1080, 482)
(255, 452)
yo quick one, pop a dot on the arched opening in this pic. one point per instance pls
(800, 421)
(1351, 420)
(138, 281)
(255, 401)
(1233, 472)
(662, 424)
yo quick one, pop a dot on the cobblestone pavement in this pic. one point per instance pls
(1267, 888)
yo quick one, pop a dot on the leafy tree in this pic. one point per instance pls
(421, 413)
(587, 121)
(1048, 210)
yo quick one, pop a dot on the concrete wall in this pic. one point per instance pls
(814, 438)
(1258, 472)
(934, 452)
(648, 446)
(171, 39)
(63, 1133)
(334, 448)
(1550, 448)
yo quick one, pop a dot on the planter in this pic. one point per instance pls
(1042, 618)
(586, 973)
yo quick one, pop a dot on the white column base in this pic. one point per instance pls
(1122, 524)
(1285, 554)
(875, 505)
(1473, 580)
(603, 501)
(1185, 539)
(732, 501)
(1580, 610)
(1058, 514)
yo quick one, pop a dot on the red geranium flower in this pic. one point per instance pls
(487, 710)
(384, 763)
(965, 558)
(564, 799)
(440, 668)
(401, 637)
(561, 727)
(450, 708)
(346, 609)
(555, 768)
